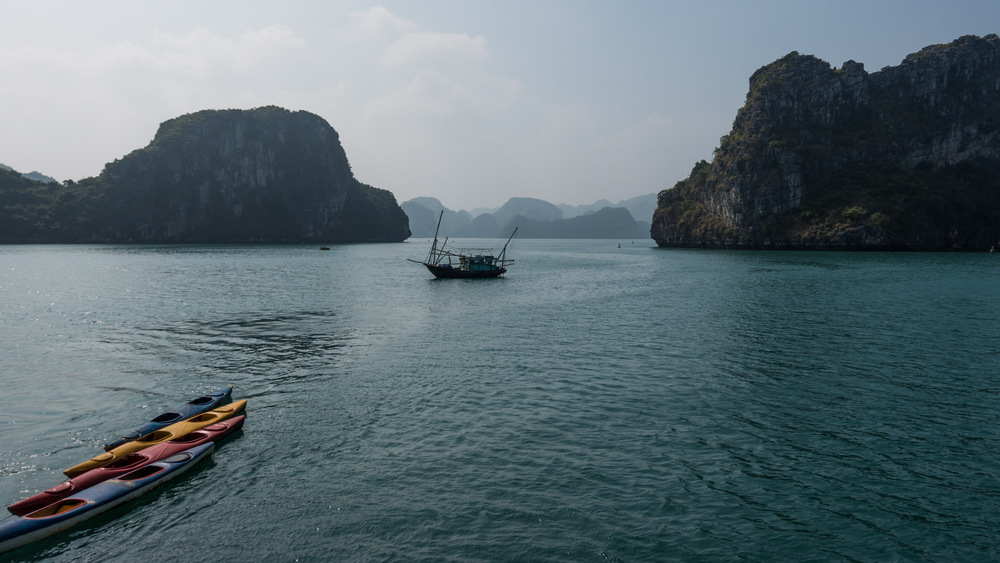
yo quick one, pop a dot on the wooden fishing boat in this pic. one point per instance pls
(465, 263)
(169, 433)
(102, 497)
(127, 463)
(187, 410)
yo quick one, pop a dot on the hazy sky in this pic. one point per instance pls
(470, 102)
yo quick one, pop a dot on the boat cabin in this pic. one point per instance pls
(478, 263)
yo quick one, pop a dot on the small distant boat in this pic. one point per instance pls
(102, 497)
(324, 248)
(187, 410)
(466, 263)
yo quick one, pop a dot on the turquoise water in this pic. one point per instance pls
(597, 404)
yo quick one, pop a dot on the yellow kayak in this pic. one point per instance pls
(169, 433)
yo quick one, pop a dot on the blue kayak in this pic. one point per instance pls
(185, 411)
(92, 501)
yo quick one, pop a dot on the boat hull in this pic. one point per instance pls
(187, 410)
(446, 272)
(169, 433)
(126, 464)
(100, 498)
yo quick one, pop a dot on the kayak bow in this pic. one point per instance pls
(169, 433)
(207, 402)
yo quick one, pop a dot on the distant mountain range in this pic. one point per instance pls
(535, 218)
(36, 176)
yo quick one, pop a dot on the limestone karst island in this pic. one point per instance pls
(906, 158)
(233, 176)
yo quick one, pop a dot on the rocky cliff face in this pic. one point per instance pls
(839, 158)
(263, 175)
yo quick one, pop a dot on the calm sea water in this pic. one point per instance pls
(597, 404)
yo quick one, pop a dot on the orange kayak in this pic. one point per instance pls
(169, 433)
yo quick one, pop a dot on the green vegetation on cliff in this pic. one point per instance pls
(33, 211)
(955, 207)
(683, 207)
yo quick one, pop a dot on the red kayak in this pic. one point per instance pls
(127, 463)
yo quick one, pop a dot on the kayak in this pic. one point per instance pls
(127, 463)
(175, 430)
(68, 512)
(187, 410)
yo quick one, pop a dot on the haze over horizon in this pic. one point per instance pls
(468, 102)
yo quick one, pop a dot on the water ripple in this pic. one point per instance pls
(596, 404)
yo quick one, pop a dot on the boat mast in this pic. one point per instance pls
(431, 258)
(503, 253)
